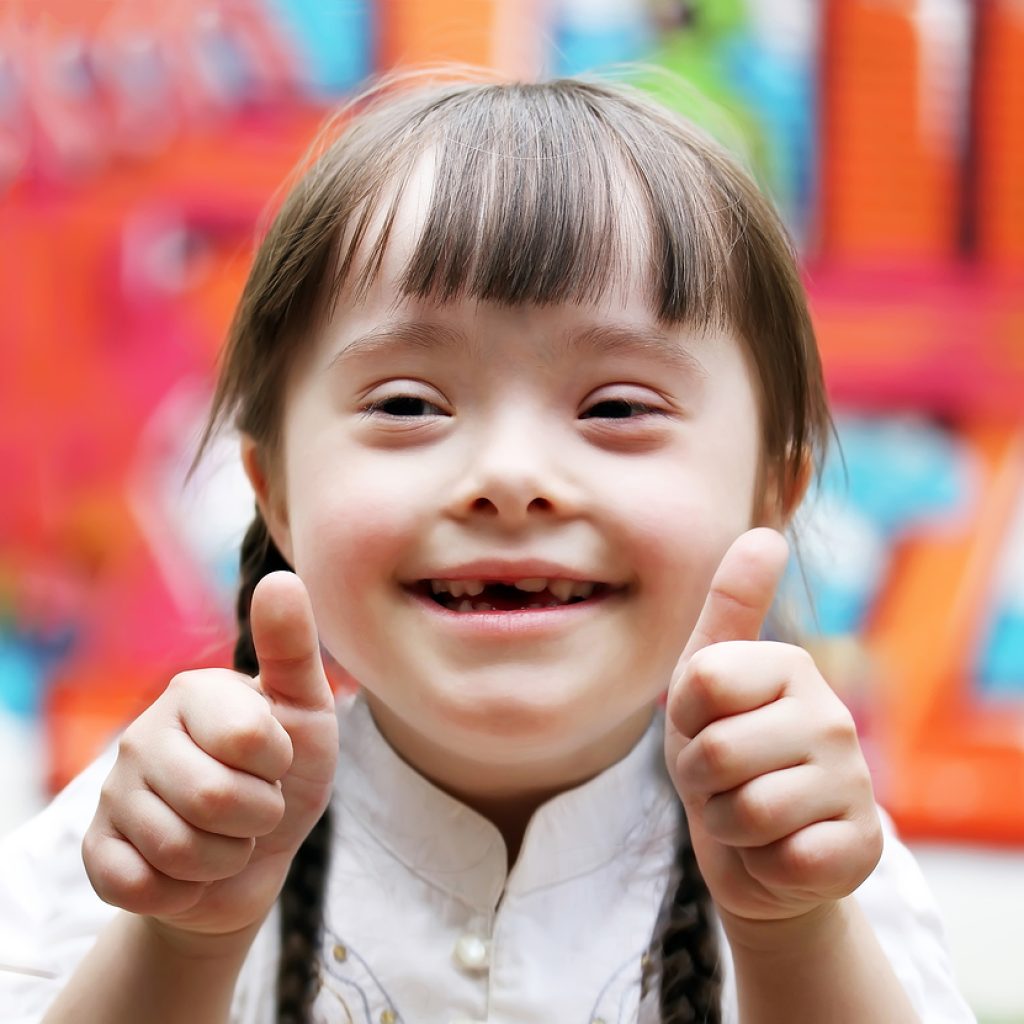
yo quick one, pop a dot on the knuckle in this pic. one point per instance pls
(716, 751)
(126, 890)
(263, 822)
(110, 885)
(182, 683)
(92, 852)
(197, 857)
(803, 660)
(251, 733)
(755, 811)
(802, 861)
(131, 744)
(116, 797)
(706, 673)
(863, 792)
(271, 810)
(109, 796)
(225, 858)
(175, 854)
(237, 855)
(277, 749)
(110, 880)
(687, 773)
(840, 727)
(873, 842)
(803, 858)
(210, 799)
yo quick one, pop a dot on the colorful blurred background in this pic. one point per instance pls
(140, 142)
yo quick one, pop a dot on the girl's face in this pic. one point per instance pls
(602, 463)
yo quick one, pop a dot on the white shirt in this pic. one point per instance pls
(414, 933)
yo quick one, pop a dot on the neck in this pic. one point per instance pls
(507, 793)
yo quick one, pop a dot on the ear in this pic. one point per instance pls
(269, 496)
(781, 498)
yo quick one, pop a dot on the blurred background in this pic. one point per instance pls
(140, 142)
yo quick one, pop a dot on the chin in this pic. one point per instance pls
(508, 713)
(509, 731)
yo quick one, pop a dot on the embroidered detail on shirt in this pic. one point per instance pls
(349, 992)
(618, 1002)
(32, 972)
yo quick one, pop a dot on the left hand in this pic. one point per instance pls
(765, 756)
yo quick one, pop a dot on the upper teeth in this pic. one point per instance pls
(562, 589)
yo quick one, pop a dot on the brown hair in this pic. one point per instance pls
(527, 210)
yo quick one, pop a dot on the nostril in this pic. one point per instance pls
(488, 507)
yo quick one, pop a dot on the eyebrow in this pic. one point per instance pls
(650, 343)
(402, 334)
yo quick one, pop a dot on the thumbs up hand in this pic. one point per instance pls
(218, 782)
(764, 756)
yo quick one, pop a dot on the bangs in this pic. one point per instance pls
(540, 194)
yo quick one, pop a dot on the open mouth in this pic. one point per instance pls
(521, 595)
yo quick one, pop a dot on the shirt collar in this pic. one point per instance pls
(619, 812)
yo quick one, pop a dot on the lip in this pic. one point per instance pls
(518, 623)
(506, 571)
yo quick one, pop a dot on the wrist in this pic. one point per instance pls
(182, 944)
(783, 938)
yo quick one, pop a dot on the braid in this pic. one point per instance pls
(258, 558)
(302, 912)
(690, 980)
(301, 899)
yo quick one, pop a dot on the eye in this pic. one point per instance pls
(403, 407)
(618, 409)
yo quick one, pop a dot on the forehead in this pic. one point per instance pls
(502, 242)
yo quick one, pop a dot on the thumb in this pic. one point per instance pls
(741, 591)
(287, 647)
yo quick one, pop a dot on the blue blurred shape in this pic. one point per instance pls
(598, 34)
(1000, 665)
(1001, 672)
(897, 475)
(899, 471)
(335, 40)
(22, 674)
(781, 88)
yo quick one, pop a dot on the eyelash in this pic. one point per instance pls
(379, 406)
(635, 408)
(640, 408)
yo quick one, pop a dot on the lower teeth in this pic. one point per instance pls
(483, 606)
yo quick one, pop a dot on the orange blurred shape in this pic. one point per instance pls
(954, 759)
(85, 712)
(500, 34)
(999, 129)
(889, 180)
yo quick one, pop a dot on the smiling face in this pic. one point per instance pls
(433, 448)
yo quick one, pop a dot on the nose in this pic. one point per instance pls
(514, 473)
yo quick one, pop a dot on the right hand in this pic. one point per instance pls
(217, 784)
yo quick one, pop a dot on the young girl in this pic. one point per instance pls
(526, 385)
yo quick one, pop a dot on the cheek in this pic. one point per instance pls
(350, 531)
(677, 548)
(678, 526)
(348, 510)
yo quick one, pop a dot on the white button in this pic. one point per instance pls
(471, 952)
